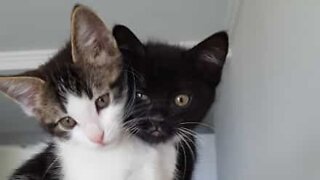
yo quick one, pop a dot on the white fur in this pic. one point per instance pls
(121, 158)
(83, 110)
(129, 159)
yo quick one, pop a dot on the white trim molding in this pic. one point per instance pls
(20, 60)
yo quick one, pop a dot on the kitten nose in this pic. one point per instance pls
(94, 133)
(157, 119)
(98, 138)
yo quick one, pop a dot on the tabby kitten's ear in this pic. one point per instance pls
(92, 43)
(209, 56)
(26, 91)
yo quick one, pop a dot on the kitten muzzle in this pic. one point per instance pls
(94, 133)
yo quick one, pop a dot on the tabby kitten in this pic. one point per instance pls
(174, 89)
(80, 98)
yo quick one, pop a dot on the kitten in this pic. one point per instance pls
(174, 88)
(80, 97)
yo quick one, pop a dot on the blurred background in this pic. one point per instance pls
(32, 30)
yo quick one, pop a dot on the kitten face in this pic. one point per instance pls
(79, 95)
(174, 87)
(95, 104)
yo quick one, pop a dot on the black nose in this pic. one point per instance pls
(156, 119)
(156, 124)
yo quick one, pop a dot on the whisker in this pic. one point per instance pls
(143, 118)
(192, 133)
(135, 112)
(200, 124)
(188, 131)
(137, 107)
(188, 145)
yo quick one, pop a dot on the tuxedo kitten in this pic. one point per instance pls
(174, 89)
(79, 97)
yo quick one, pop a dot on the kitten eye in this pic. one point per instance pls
(142, 96)
(103, 101)
(182, 100)
(67, 123)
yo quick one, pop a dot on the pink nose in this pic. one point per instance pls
(94, 132)
(98, 138)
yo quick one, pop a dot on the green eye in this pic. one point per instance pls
(182, 100)
(67, 123)
(103, 101)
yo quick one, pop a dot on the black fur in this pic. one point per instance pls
(157, 70)
(41, 166)
(161, 72)
(61, 76)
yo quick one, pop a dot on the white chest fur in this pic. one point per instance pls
(131, 159)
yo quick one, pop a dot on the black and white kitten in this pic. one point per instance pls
(80, 98)
(174, 87)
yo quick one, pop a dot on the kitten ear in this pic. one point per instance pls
(209, 56)
(91, 41)
(23, 90)
(127, 41)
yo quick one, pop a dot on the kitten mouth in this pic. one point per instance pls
(156, 133)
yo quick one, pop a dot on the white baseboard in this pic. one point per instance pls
(19, 60)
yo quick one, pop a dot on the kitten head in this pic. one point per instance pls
(79, 95)
(173, 86)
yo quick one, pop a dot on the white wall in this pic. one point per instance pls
(268, 118)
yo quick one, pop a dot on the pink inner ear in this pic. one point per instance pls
(25, 95)
(28, 98)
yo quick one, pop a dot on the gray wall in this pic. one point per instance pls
(34, 24)
(268, 110)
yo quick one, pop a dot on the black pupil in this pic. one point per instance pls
(102, 102)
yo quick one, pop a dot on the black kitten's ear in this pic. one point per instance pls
(25, 91)
(210, 55)
(91, 41)
(127, 41)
